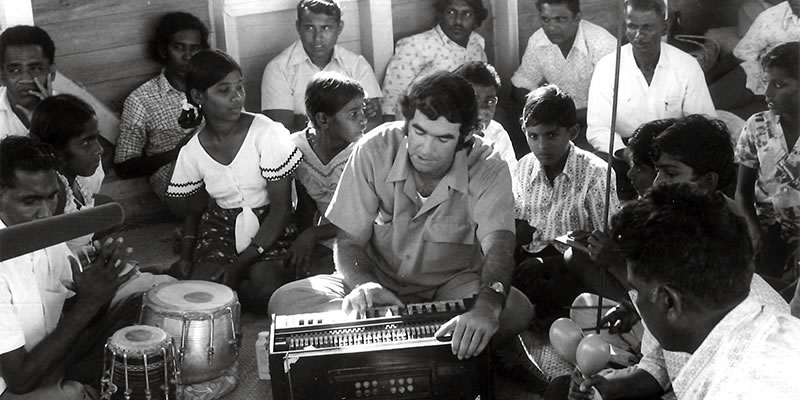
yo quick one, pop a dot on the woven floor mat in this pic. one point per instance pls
(552, 364)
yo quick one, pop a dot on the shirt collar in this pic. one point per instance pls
(298, 55)
(5, 105)
(474, 39)
(569, 166)
(163, 83)
(788, 18)
(579, 44)
(457, 177)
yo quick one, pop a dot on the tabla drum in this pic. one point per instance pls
(203, 320)
(139, 363)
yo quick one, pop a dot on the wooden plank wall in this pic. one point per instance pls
(103, 45)
(600, 12)
(255, 37)
(413, 16)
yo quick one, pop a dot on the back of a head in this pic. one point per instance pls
(692, 241)
(59, 118)
(329, 92)
(169, 25)
(443, 94)
(477, 6)
(26, 35)
(701, 143)
(549, 105)
(640, 146)
(574, 6)
(327, 7)
(24, 154)
(479, 73)
(656, 6)
(206, 68)
(785, 56)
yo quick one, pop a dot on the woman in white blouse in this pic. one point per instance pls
(244, 163)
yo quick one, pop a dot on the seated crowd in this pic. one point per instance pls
(344, 194)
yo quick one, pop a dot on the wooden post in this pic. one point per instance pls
(506, 39)
(17, 12)
(377, 37)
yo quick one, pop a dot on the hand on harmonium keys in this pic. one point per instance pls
(367, 295)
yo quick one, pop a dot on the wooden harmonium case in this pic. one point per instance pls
(387, 353)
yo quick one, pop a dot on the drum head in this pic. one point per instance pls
(190, 296)
(138, 339)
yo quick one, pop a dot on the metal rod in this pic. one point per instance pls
(610, 156)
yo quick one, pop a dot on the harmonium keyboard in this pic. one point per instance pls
(386, 353)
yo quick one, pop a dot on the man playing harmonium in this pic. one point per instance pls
(425, 213)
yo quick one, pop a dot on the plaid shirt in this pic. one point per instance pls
(150, 126)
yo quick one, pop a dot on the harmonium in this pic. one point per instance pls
(386, 353)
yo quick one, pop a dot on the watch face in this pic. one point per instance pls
(497, 287)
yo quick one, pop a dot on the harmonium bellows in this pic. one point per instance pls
(386, 353)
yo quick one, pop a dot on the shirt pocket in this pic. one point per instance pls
(673, 106)
(448, 245)
(445, 230)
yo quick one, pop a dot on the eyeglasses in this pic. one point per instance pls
(487, 102)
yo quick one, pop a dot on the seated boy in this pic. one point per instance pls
(486, 83)
(335, 108)
(558, 188)
(768, 189)
(642, 170)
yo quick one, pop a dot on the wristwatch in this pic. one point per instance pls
(498, 288)
(258, 248)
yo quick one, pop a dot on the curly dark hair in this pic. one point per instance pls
(169, 25)
(785, 56)
(25, 154)
(22, 35)
(676, 235)
(444, 94)
(701, 143)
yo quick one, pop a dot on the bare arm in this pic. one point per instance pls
(634, 384)
(373, 112)
(352, 261)
(473, 329)
(24, 371)
(195, 206)
(300, 253)
(280, 211)
(359, 273)
(145, 165)
(745, 199)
